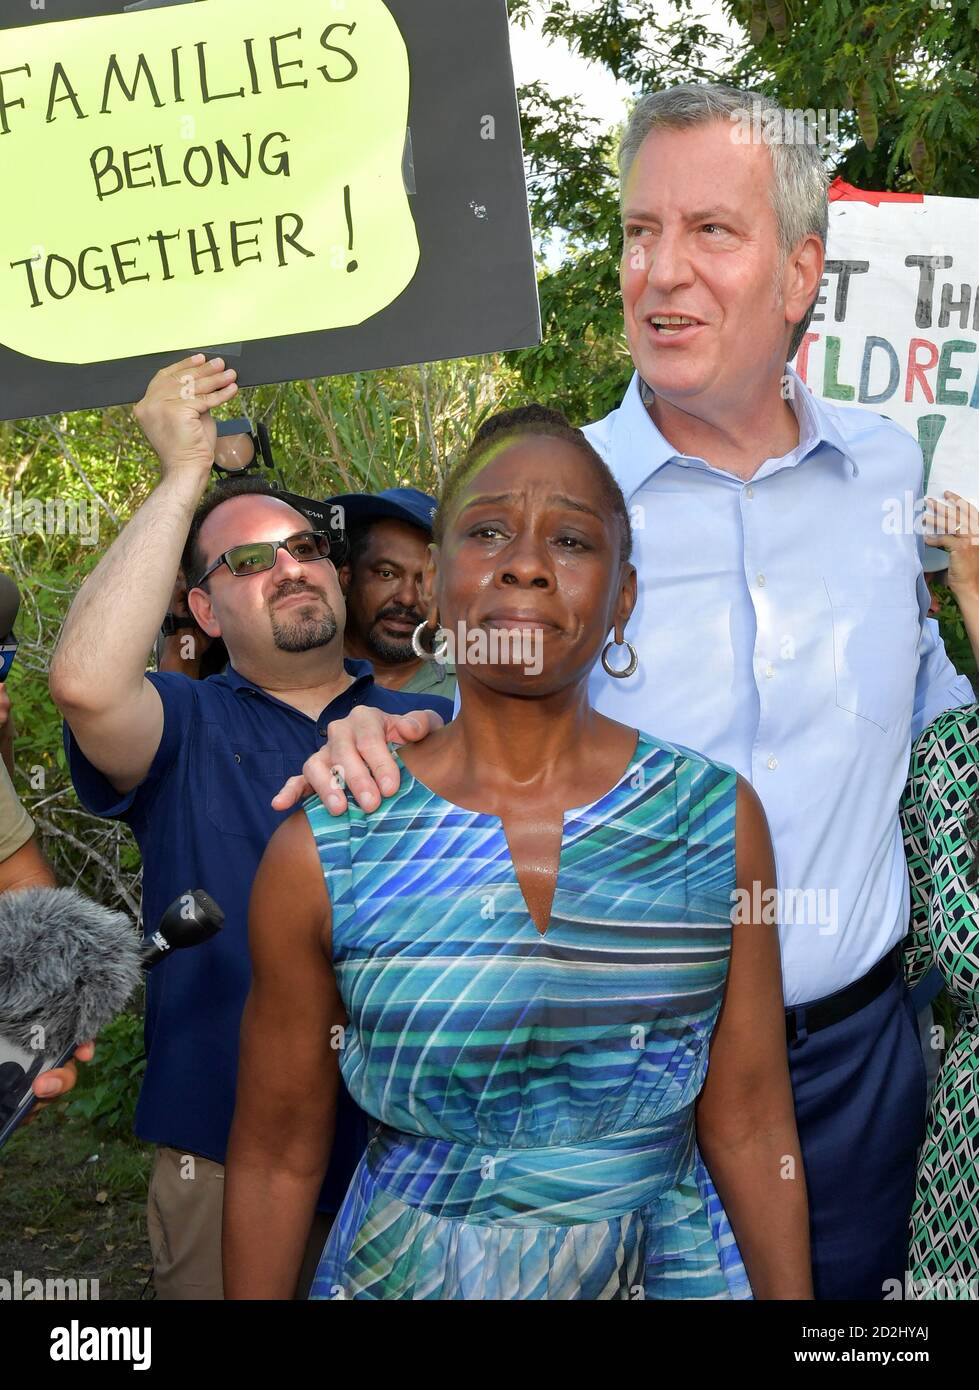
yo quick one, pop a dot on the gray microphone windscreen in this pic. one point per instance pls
(67, 966)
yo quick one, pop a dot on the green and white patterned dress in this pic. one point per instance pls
(942, 789)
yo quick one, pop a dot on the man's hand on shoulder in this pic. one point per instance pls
(356, 759)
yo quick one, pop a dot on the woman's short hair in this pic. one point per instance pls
(523, 422)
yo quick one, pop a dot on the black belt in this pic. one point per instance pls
(803, 1019)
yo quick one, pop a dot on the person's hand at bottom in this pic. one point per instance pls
(51, 1085)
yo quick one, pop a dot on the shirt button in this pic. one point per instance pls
(769, 671)
(772, 764)
(761, 581)
(749, 492)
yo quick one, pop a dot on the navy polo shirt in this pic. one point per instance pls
(202, 819)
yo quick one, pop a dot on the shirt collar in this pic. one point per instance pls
(816, 424)
(362, 672)
(640, 450)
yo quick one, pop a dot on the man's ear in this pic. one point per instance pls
(345, 574)
(803, 272)
(202, 612)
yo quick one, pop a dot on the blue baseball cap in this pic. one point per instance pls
(406, 504)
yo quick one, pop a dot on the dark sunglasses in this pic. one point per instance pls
(257, 556)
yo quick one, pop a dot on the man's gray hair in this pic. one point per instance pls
(800, 179)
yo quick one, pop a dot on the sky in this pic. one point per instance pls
(567, 74)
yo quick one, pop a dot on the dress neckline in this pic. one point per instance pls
(641, 750)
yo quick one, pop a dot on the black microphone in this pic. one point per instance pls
(192, 919)
(67, 967)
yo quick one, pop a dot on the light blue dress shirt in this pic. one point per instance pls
(782, 629)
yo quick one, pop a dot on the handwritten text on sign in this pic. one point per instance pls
(226, 171)
(896, 329)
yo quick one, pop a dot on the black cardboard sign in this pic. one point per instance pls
(309, 186)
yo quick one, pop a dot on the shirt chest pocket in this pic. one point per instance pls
(876, 630)
(241, 780)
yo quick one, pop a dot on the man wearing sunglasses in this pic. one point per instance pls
(192, 766)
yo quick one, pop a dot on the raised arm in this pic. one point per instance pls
(745, 1116)
(98, 671)
(288, 1072)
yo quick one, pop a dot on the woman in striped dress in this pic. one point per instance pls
(522, 963)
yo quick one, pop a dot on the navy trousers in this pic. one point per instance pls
(859, 1088)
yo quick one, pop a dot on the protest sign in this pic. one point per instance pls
(896, 327)
(314, 185)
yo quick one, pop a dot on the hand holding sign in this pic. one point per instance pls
(175, 413)
(953, 525)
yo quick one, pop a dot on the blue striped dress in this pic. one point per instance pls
(533, 1095)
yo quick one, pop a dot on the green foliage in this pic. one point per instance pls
(108, 1086)
(95, 460)
(74, 1204)
(954, 635)
(372, 430)
(904, 70)
(583, 365)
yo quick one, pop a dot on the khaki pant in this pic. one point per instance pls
(184, 1219)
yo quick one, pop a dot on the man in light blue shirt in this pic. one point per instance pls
(785, 630)
(782, 630)
(782, 622)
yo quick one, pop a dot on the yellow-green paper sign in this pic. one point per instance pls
(218, 172)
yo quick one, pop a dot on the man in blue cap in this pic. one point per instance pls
(388, 536)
